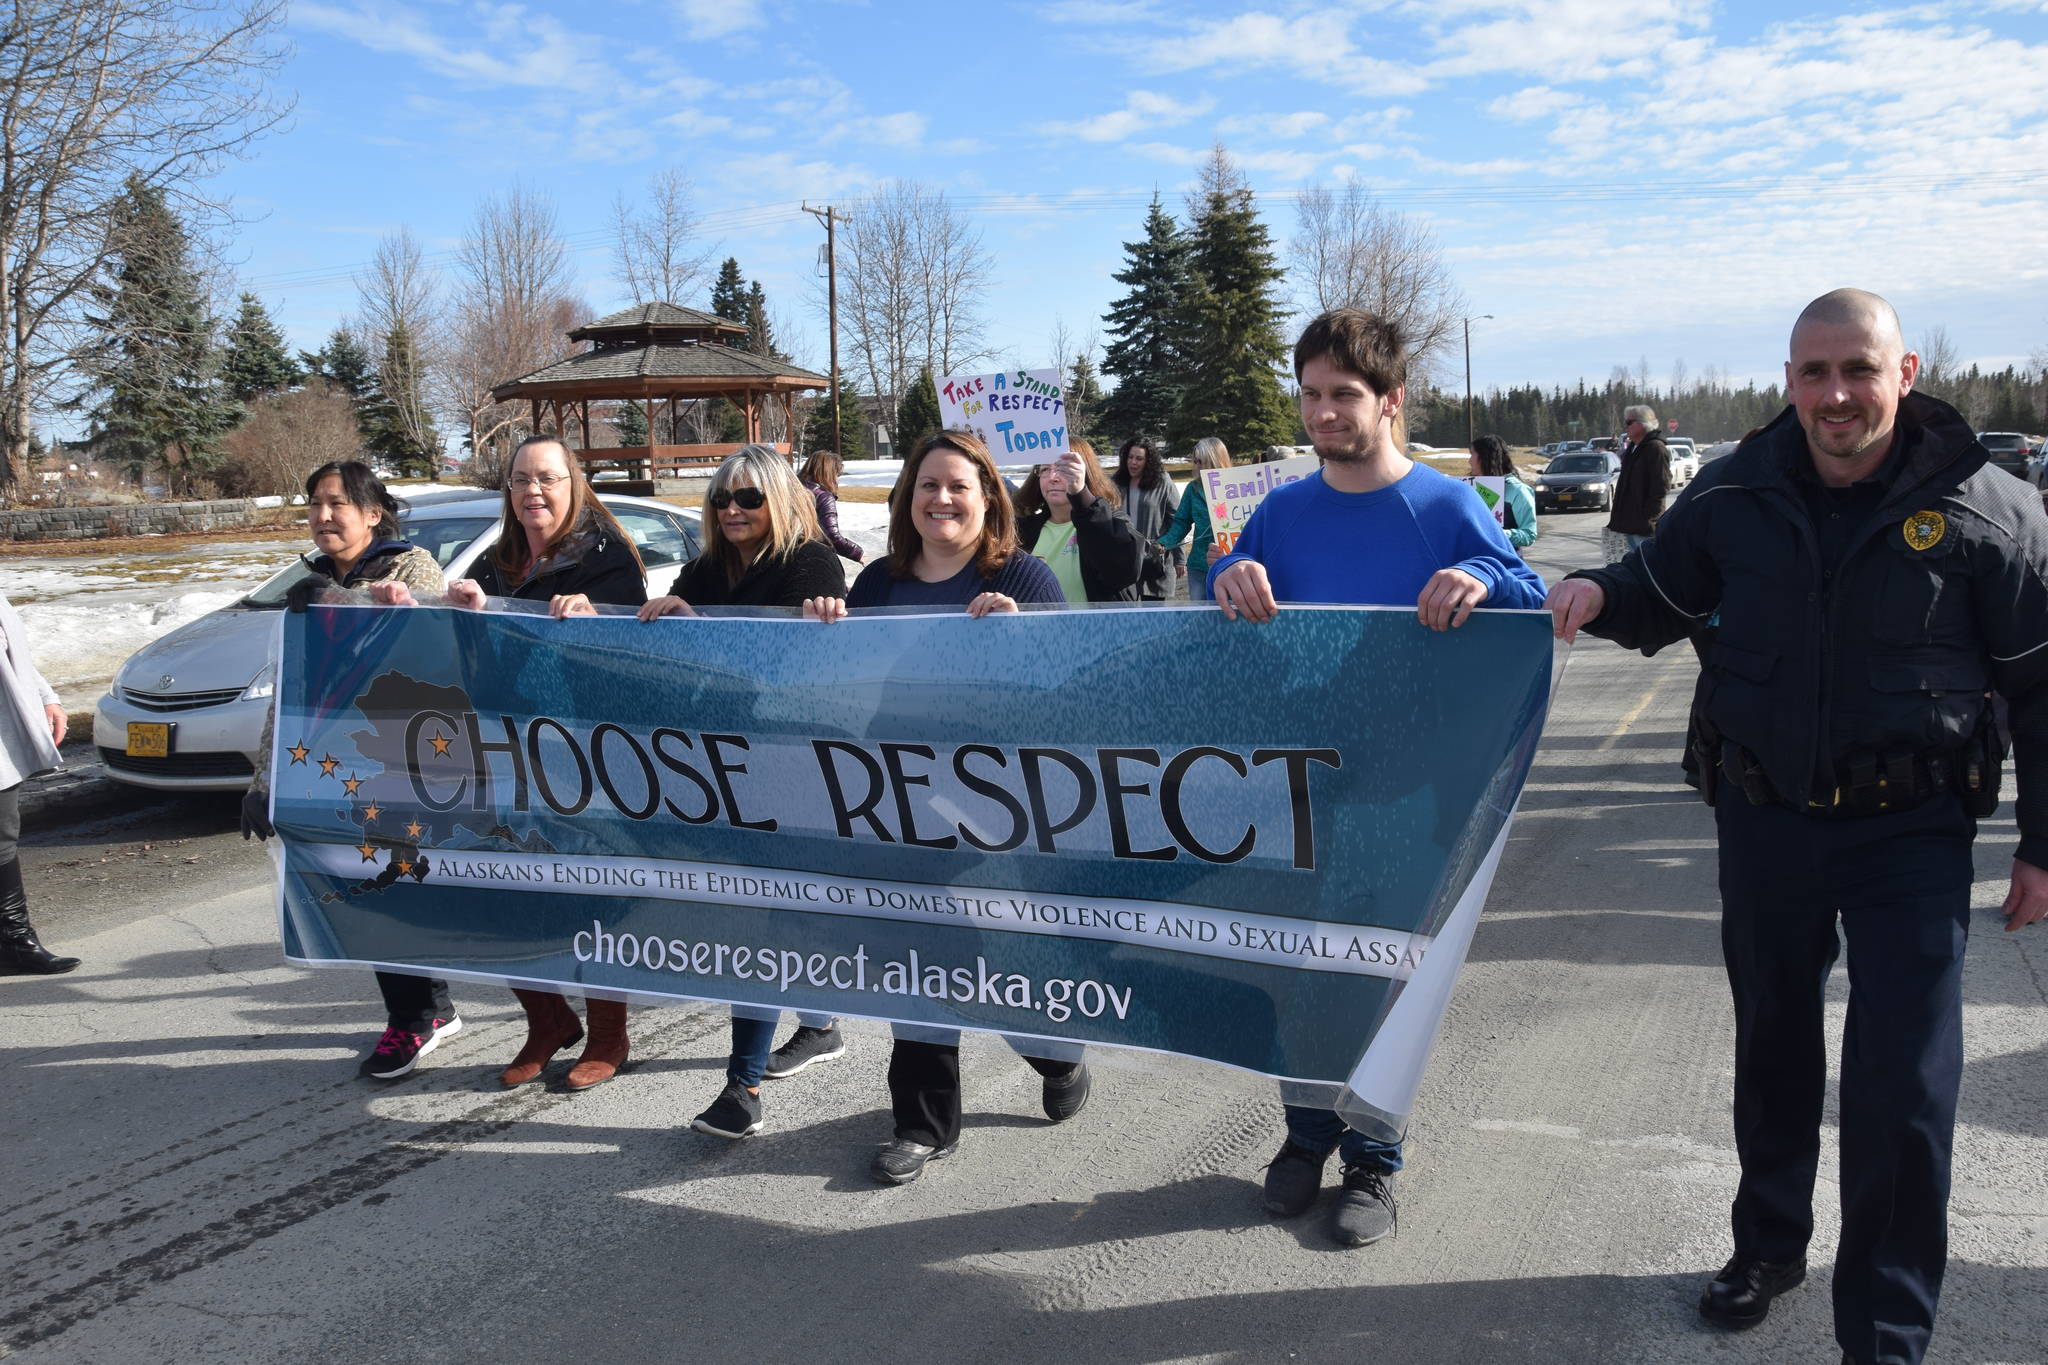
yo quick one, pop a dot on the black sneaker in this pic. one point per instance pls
(1293, 1180)
(399, 1050)
(734, 1114)
(805, 1046)
(1065, 1096)
(1365, 1208)
(900, 1161)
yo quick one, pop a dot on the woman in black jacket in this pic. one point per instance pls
(1068, 516)
(558, 544)
(1149, 502)
(762, 548)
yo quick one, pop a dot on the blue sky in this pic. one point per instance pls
(1613, 180)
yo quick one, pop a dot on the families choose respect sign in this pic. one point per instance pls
(996, 824)
(1018, 414)
(1235, 493)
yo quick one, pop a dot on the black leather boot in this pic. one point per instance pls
(20, 952)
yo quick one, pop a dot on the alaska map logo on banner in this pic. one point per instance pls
(993, 824)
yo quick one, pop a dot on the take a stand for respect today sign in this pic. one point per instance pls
(1018, 414)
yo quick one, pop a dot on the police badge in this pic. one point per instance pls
(1924, 530)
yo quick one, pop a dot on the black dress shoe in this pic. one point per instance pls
(1741, 1294)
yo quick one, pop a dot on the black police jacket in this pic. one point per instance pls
(1943, 594)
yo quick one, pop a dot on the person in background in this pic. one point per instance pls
(557, 544)
(762, 548)
(821, 474)
(1489, 460)
(1371, 527)
(1148, 501)
(1191, 518)
(32, 725)
(353, 520)
(1067, 515)
(1640, 490)
(952, 542)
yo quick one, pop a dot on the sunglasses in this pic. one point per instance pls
(750, 499)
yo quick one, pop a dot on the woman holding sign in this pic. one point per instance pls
(1068, 516)
(1490, 461)
(1191, 521)
(952, 543)
(557, 544)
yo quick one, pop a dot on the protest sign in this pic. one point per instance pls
(1018, 414)
(1234, 493)
(896, 817)
(1493, 492)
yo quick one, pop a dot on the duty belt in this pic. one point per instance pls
(1872, 784)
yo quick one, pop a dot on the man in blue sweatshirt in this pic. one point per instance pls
(1371, 527)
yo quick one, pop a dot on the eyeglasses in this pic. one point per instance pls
(519, 483)
(751, 499)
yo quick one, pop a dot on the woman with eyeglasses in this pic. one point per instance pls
(952, 543)
(1068, 515)
(558, 544)
(762, 548)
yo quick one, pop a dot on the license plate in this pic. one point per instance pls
(149, 739)
(1564, 497)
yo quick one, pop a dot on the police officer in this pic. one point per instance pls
(1874, 579)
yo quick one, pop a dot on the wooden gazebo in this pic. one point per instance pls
(654, 354)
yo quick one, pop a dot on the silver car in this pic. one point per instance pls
(185, 713)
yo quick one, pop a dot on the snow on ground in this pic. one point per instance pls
(86, 614)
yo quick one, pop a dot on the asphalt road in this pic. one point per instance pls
(195, 1173)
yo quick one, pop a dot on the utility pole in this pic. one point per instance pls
(831, 219)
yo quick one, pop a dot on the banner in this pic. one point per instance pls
(1018, 414)
(1008, 824)
(1234, 493)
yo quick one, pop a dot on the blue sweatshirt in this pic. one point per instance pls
(1379, 548)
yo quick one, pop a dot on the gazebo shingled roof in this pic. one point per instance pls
(661, 352)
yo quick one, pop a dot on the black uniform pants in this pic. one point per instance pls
(1898, 886)
(924, 1089)
(413, 1003)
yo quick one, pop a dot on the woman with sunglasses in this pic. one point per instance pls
(1068, 515)
(558, 544)
(952, 543)
(762, 548)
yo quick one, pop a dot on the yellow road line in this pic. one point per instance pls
(1630, 718)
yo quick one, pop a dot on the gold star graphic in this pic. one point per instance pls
(298, 752)
(440, 743)
(414, 830)
(369, 853)
(328, 765)
(349, 784)
(404, 869)
(372, 811)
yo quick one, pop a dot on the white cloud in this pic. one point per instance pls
(1558, 40)
(718, 18)
(1313, 44)
(1142, 110)
(1285, 126)
(516, 47)
(1100, 12)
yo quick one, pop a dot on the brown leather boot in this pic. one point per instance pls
(605, 1050)
(551, 1025)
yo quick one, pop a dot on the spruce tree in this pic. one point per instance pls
(729, 292)
(257, 362)
(1234, 346)
(343, 363)
(918, 415)
(630, 421)
(760, 336)
(853, 423)
(1084, 402)
(1145, 328)
(157, 367)
(401, 429)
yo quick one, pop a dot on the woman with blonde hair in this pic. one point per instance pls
(1191, 518)
(1069, 515)
(558, 544)
(762, 543)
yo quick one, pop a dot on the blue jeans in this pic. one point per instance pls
(1320, 1129)
(1198, 585)
(754, 1039)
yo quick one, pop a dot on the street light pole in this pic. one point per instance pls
(1471, 434)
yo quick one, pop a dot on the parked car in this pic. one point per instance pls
(1685, 460)
(1604, 443)
(2008, 450)
(1583, 478)
(185, 713)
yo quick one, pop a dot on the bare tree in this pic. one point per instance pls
(912, 274)
(287, 437)
(1351, 251)
(651, 250)
(513, 307)
(1937, 361)
(398, 297)
(94, 94)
